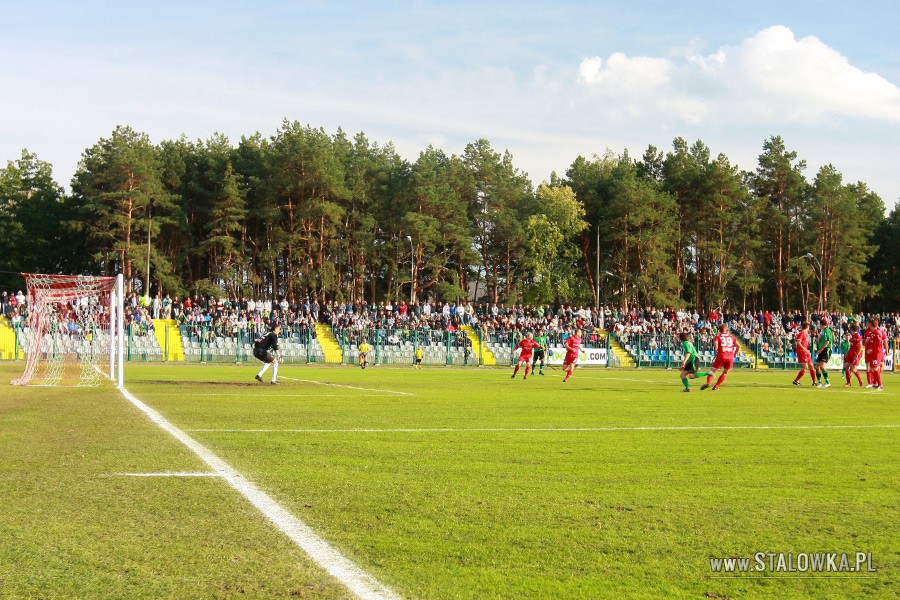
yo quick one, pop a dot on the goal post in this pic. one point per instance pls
(75, 323)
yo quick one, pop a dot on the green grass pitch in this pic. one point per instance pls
(448, 483)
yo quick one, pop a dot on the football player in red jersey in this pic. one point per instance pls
(726, 346)
(526, 347)
(804, 356)
(851, 359)
(573, 347)
(876, 349)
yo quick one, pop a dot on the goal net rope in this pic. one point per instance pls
(70, 330)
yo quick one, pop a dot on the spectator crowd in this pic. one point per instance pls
(439, 322)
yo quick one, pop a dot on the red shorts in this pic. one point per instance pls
(525, 358)
(570, 359)
(804, 358)
(722, 362)
(851, 359)
(874, 364)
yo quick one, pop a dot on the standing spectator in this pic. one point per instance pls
(156, 306)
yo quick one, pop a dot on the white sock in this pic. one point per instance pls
(274, 370)
(263, 370)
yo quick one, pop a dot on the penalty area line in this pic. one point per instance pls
(349, 387)
(552, 429)
(167, 474)
(324, 554)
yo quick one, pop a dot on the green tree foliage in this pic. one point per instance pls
(637, 229)
(552, 251)
(112, 188)
(500, 199)
(305, 213)
(780, 184)
(884, 264)
(439, 226)
(842, 219)
(33, 210)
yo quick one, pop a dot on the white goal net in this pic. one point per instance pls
(71, 330)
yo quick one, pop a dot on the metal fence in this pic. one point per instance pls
(223, 343)
(399, 345)
(209, 343)
(772, 352)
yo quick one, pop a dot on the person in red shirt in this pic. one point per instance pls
(526, 347)
(851, 359)
(573, 348)
(804, 356)
(726, 346)
(876, 348)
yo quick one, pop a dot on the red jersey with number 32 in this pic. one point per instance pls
(527, 347)
(726, 345)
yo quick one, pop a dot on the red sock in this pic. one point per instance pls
(709, 378)
(858, 378)
(527, 370)
(516, 372)
(800, 375)
(869, 376)
(847, 375)
(721, 379)
(877, 375)
(812, 373)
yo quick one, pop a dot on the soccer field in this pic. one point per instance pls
(448, 483)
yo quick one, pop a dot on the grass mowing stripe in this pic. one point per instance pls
(551, 429)
(351, 387)
(355, 579)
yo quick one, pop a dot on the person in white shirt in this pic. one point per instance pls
(156, 304)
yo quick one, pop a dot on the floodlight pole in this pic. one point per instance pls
(412, 270)
(597, 286)
(149, 230)
(622, 279)
(821, 282)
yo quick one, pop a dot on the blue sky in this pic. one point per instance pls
(548, 81)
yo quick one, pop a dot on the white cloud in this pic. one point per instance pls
(623, 74)
(770, 77)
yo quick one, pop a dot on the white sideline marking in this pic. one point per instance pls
(340, 567)
(351, 387)
(550, 429)
(182, 474)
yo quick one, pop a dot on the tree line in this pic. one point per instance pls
(307, 213)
